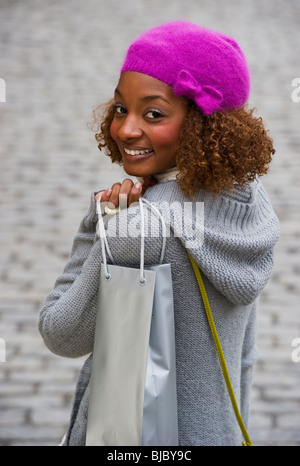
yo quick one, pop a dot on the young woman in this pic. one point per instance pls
(179, 123)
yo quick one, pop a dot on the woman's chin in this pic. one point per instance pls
(133, 170)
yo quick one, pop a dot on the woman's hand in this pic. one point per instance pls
(133, 191)
(127, 188)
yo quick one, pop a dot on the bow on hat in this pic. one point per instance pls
(206, 97)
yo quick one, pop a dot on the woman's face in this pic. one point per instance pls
(147, 123)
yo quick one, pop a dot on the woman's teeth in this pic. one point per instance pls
(138, 152)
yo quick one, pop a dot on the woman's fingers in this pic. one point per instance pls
(135, 193)
(114, 197)
(127, 192)
(105, 195)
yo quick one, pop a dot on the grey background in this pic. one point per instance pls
(60, 59)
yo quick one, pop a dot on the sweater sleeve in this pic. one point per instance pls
(67, 318)
(241, 231)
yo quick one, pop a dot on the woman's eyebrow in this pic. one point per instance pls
(118, 92)
(147, 98)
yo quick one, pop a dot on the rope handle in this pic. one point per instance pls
(214, 332)
(104, 243)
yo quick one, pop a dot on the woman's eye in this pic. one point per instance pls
(154, 114)
(120, 110)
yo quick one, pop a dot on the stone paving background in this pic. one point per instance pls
(59, 60)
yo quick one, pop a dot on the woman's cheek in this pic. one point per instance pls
(168, 136)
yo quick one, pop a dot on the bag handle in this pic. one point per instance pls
(214, 332)
(104, 242)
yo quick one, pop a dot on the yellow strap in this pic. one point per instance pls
(220, 353)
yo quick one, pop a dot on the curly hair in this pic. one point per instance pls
(215, 152)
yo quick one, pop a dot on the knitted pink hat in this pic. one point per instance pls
(203, 65)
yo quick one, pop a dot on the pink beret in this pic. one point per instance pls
(200, 64)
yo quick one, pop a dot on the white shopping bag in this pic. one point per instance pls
(133, 397)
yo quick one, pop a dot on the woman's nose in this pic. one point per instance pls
(129, 129)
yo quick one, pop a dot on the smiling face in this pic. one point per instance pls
(147, 122)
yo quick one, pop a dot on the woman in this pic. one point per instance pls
(178, 122)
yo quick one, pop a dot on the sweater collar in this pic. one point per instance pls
(167, 175)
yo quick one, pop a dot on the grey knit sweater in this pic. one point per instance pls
(236, 259)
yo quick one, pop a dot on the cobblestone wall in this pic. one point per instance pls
(59, 59)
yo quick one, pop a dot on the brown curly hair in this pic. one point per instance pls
(215, 152)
